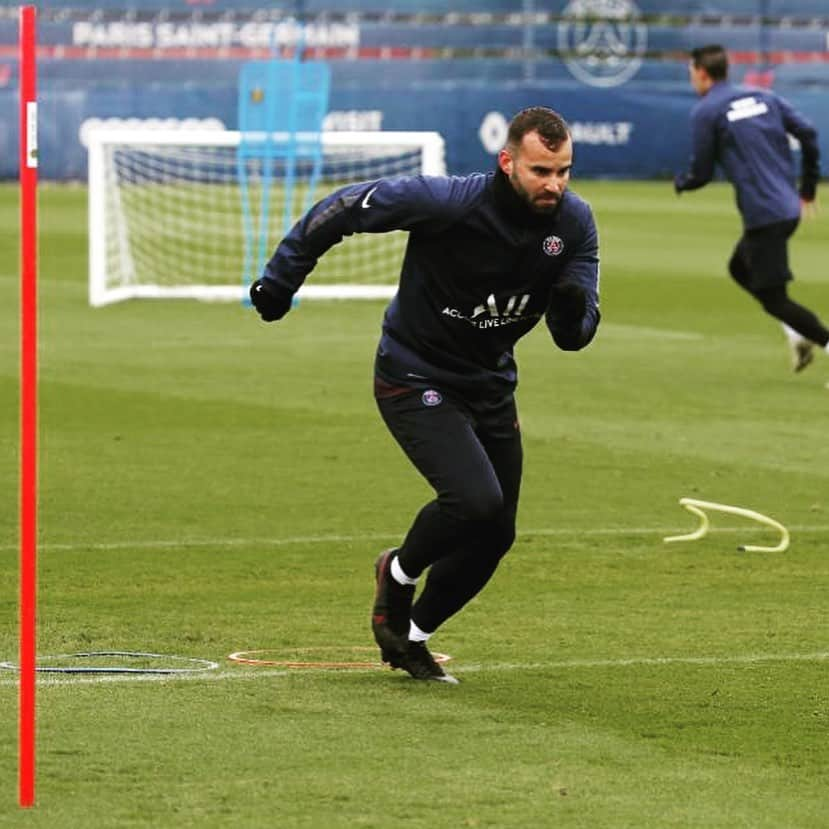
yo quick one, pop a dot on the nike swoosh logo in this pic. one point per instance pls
(416, 376)
(364, 202)
(258, 288)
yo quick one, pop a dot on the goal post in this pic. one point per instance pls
(166, 212)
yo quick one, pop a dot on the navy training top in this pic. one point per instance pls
(477, 275)
(746, 131)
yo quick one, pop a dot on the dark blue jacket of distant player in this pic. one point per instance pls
(478, 273)
(747, 132)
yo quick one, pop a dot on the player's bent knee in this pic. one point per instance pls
(501, 538)
(737, 269)
(481, 506)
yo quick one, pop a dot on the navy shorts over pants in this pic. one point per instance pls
(761, 259)
(760, 264)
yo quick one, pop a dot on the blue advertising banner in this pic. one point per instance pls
(632, 131)
(616, 69)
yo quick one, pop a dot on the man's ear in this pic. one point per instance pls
(505, 162)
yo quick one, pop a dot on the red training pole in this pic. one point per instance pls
(28, 403)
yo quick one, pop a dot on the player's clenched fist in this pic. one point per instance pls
(569, 300)
(270, 300)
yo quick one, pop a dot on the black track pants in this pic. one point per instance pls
(471, 455)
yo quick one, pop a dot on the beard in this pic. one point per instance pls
(537, 204)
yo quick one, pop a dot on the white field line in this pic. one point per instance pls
(572, 664)
(97, 679)
(646, 661)
(624, 331)
(162, 544)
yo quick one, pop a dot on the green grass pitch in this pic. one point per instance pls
(211, 484)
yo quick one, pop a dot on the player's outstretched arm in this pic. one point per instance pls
(322, 227)
(804, 131)
(703, 156)
(378, 206)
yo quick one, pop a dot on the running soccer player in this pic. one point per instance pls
(746, 131)
(488, 256)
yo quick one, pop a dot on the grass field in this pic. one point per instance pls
(211, 484)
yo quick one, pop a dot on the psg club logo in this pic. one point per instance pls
(431, 398)
(605, 40)
(552, 246)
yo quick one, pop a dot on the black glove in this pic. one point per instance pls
(270, 300)
(568, 302)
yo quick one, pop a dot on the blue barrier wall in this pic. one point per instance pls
(710, 7)
(632, 132)
(411, 66)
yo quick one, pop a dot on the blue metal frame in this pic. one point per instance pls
(281, 108)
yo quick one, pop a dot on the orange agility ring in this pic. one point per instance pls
(319, 658)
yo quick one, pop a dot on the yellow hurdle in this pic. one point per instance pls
(698, 508)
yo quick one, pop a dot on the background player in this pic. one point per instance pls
(746, 131)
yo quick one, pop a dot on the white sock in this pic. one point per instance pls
(416, 634)
(793, 337)
(826, 348)
(398, 575)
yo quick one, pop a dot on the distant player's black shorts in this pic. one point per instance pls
(761, 258)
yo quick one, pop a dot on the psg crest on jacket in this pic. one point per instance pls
(553, 246)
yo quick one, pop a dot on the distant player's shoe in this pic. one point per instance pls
(421, 664)
(391, 611)
(802, 354)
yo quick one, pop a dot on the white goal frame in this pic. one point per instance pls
(101, 289)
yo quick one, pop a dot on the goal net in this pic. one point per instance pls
(166, 211)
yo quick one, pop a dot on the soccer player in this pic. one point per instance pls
(746, 131)
(488, 256)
